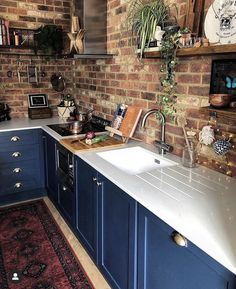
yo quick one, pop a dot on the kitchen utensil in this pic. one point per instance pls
(84, 116)
(219, 100)
(130, 121)
(81, 146)
(58, 82)
(128, 124)
(76, 127)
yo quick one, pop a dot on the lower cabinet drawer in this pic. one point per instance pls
(18, 169)
(19, 137)
(14, 186)
(21, 153)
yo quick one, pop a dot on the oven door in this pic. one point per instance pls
(65, 166)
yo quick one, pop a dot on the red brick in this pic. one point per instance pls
(133, 76)
(188, 78)
(7, 3)
(115, 68)
(148, 95)
(200, 67)
(121, 92)
(198, 90)
(121, 76)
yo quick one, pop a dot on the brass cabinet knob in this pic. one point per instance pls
(15, 138)
(16, 170)
(16, 154)
(64, 188)
(99, 184)
(18, 185)
(94, 179)
(179, 239)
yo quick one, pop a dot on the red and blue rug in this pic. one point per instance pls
(34, 253)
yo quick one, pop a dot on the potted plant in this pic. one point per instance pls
(49, 39)
(143, 18)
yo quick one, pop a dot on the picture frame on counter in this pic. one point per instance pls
(37, 100)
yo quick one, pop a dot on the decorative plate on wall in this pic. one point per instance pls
(220, 22)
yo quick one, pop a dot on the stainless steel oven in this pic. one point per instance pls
(65, 165)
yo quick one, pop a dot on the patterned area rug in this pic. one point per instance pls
(34, 253)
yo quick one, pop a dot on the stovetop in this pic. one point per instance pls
(96, 124)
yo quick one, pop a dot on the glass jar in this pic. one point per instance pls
(189, 156)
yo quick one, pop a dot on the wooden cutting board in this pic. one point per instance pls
(80, 146)
(130, 121)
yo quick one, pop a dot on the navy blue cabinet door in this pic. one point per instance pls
(66, 202)
(50, 163)
(86, 206)
(117, 223)
(162, 264)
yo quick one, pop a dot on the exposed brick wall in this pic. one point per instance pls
(32, 14)
(102, 84)
(15, 93)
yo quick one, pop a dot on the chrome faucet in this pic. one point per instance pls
(163, 147)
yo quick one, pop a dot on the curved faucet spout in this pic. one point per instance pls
(162, 120)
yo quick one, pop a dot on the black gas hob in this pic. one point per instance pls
(96, 124)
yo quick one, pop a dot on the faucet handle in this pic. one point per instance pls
(162, 146)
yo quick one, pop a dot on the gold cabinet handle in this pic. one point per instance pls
(179, 239)
(16, 170)
(15, 138)
(18, 185)
(16, 154)
(94, 179)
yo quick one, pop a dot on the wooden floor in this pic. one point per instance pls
(93, 273)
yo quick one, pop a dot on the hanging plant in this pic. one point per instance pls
(167, 98)
(49, 39)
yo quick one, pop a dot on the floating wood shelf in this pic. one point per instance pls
(29, 51)
(226, 113)
(195, 51)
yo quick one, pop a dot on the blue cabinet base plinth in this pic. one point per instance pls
(22, 196)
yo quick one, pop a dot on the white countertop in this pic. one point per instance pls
(199, 203)
(26, 123)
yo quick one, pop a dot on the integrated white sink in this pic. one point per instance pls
(135, 160)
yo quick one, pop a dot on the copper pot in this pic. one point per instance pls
(220, 100)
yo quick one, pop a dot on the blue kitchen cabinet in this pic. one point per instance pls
(66, 201)
(66, 183)
(117, 235)
(106, 225)
(21, 165)
(162, 264)
(87, 207)
(50, 167)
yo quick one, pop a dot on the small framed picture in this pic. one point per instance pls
(37, 100)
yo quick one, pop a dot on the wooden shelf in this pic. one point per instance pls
(225, 113)
(195, 51)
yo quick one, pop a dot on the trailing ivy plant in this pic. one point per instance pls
(167, 98)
